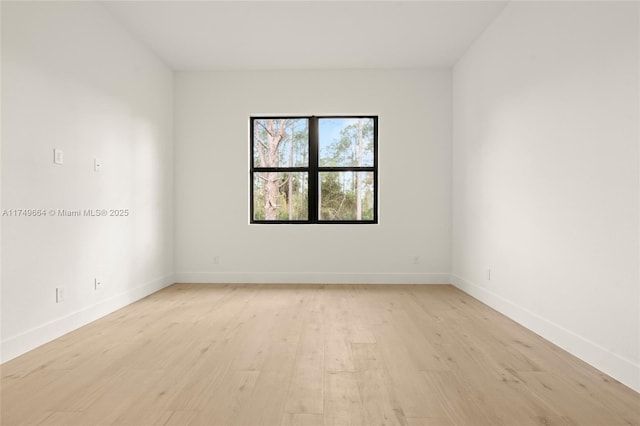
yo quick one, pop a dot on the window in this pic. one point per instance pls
(314, 169)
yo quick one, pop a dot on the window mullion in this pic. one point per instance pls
(313, 169)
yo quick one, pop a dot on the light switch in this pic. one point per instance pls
(60, 293)
(97, 164)
(58, 156)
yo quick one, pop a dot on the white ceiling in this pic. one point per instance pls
(213, 35)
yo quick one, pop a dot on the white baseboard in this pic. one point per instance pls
(31, 339)
(622, 369)
(310, 278)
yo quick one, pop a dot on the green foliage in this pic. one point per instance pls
(338, 196)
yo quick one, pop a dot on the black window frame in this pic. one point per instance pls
(313, 169)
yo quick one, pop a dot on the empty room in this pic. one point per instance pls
(320, 213)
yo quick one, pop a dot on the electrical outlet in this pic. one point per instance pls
(98, 283)
(60, 294)
(97, 165)
(216, 260)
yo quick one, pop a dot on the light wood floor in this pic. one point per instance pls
(308, 355)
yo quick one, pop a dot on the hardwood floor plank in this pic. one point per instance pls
(367, 356)
(428, 421)
(302, 419)
(577, 403)
(359, 331)
(226, 399)
(178, 418)
(380, 404)
(398, 351)
(307, 383)
(342, 400)
(269, 355)
(265, 405)
(463, 405)
(337, 335)
(60, 418)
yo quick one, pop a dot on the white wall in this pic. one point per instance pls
(212, 179)
(545, 166)
(73, 79)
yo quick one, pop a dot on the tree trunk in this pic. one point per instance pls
(271, 196)
(269, 157)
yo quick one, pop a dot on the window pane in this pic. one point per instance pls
(280, 196)
(346, 196)
(346, 142)
(281, 142)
